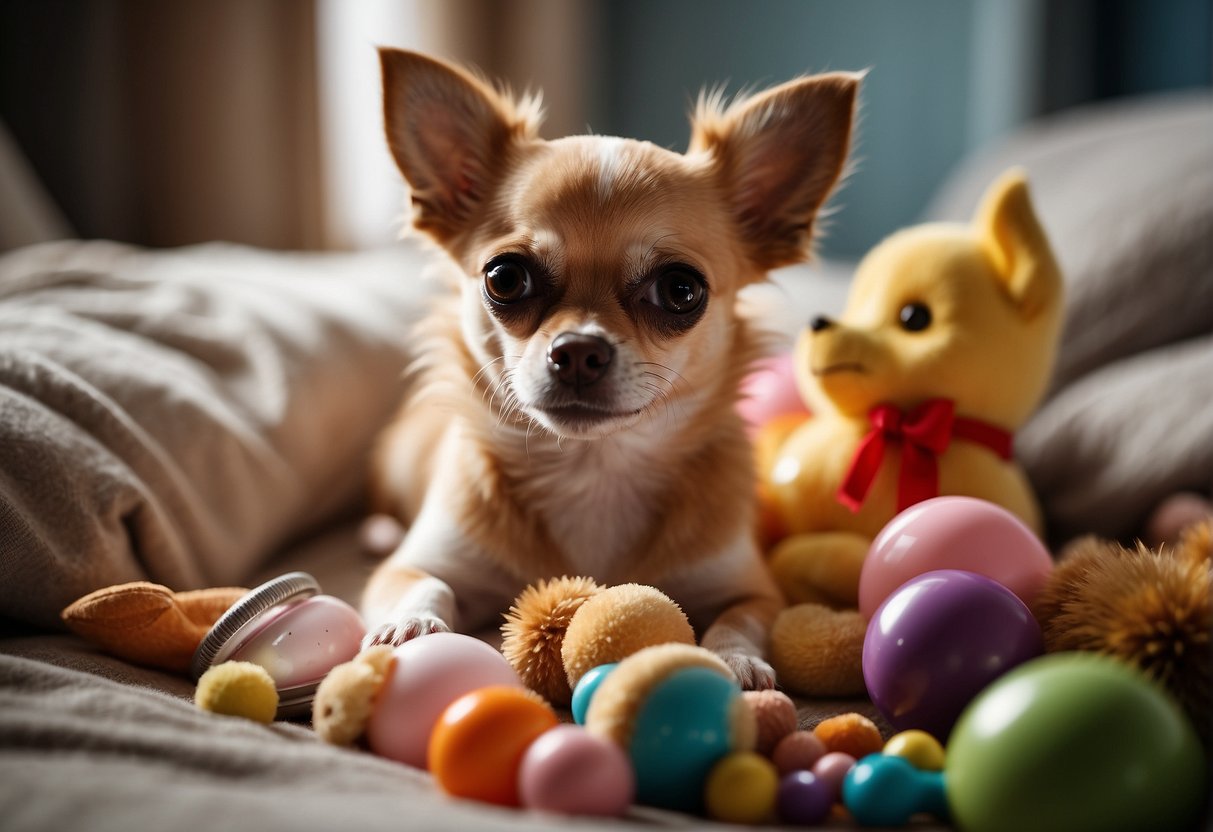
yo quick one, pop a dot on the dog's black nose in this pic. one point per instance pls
(819, 323)
(578, 359)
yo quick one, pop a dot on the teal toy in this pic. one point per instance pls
(586, 686)
(681, 731)
(1074, 742)
(882, 790)
(676, 710)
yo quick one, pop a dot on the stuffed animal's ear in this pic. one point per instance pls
(1017, 244)
(779, 154)
(449, 133)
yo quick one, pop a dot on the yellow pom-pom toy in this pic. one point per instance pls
(238, 689)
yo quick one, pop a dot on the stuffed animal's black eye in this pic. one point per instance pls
(507, 280)
(915, 317)
(678, 290)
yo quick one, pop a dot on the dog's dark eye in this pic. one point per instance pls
(915, 317)
(678, 290)
(507, 280)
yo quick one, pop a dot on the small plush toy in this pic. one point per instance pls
(558, 630)
(149, 624)
(1150, 607)
(238, 689)
(944, 349)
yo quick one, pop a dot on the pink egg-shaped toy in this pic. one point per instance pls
(770, 391)
(288, 629)
(428, 674)
(573, 772)
(954, 533)
(301, 642)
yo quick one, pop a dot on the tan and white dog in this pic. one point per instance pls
(573, 407)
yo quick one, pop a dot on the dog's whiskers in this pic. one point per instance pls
(672, 382)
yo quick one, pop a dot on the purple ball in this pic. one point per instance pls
(804, 799)
(937, 641)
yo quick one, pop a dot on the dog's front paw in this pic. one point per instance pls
(396, 633)
(752, 672)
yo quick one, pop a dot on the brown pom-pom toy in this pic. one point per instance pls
(560, 629)
(534, 633)
(1150, 607)
(775, 716)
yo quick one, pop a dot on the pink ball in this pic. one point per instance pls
(769, 391)
(798, 751)
(573, 772)
(430, 673)
(832, 769)
(954, 533)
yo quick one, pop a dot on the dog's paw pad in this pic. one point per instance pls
(396, 633)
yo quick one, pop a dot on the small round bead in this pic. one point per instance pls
(741, 788)
(798, 751)
(804, 799)
(918, 748)
(832, 768)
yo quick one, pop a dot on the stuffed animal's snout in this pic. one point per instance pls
(831, 347)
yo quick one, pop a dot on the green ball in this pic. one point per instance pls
(1074, 742)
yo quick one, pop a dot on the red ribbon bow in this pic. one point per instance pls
(923, 432)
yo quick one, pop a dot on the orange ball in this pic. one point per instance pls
(477, 744)
(851, 733)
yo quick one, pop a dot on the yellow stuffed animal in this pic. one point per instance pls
(944, 349)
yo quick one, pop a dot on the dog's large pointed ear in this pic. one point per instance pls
(449, 133)
(1017, 244)
(779, 154)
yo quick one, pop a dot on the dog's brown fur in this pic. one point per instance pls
(508, 475)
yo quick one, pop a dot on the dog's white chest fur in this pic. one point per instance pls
(596, 499)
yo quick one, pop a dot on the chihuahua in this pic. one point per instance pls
(573, 406)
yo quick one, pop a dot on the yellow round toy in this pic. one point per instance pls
(919, 748)
(742, 788)
(238, 689)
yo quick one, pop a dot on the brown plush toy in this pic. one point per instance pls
(1151, 607)
(558, 630)
(149, 624)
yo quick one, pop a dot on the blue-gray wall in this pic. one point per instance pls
(945, 74)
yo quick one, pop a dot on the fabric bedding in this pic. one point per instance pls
(176, 416)
(79, 751)
(181, 416)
